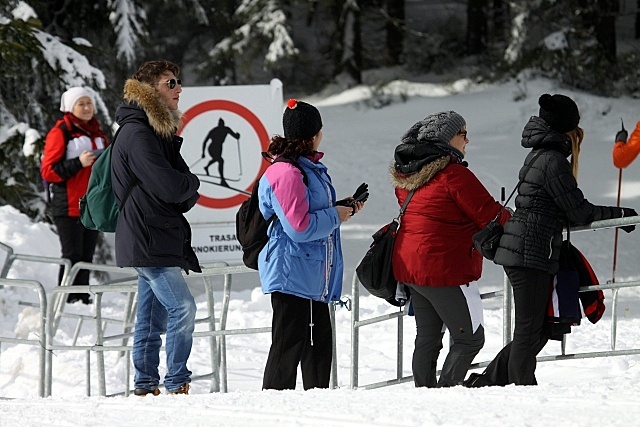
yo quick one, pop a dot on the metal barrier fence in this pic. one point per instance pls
(507, 309)
(103, 342)
(39, 341)
(53, 313)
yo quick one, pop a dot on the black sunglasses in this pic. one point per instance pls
(172, 83)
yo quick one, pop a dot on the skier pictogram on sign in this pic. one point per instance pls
(222, 188)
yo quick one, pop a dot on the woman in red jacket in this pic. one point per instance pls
(70, 149)
(434, 254)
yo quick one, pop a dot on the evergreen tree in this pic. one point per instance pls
(260, 31)
(577, 45)
(128, 19)
(36, 68)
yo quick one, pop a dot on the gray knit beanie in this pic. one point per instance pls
(439, 127)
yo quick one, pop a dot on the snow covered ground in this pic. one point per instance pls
(359, 142)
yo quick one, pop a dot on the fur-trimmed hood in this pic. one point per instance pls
(420, 178)
(164, 121)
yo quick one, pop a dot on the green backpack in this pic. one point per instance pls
(98, 208)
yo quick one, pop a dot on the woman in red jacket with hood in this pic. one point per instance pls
(70, 149)
(434, 254)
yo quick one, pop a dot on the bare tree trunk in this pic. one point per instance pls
(518, 30)
(638, 21)
(395, 34)
(349, 49)
(499, 17)
(605, 27)
(476, 26)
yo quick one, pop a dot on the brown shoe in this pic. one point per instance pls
(184, 389)
(142, 392)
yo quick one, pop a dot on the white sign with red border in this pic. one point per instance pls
(225, 130)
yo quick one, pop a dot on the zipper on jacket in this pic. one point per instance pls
(269, 231)
(311, 320)
(329, 251)
(328, 266)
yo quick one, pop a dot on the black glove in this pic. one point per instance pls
(628, 212)
(622, 134)
(361, 195)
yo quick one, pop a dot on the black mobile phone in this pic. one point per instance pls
(97, 152)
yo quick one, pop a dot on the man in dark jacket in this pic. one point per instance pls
(152, 234)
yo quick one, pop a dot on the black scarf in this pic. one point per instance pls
(411, 157)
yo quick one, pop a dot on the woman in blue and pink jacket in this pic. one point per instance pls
(301, 265)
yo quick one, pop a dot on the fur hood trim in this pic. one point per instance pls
(420, 178)
(164, 121)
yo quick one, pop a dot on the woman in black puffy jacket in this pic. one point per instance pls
(548, 200)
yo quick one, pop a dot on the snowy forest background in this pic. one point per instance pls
(313, 46)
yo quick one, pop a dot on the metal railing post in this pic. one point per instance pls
(214, 355)
(333, 381)
(355, 333)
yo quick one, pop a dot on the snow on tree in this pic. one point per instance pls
(73, 68)
(518, 32)
(264, 27)
(36, 68)
(128, 20)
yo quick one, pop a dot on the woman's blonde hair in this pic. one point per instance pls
(575, 137)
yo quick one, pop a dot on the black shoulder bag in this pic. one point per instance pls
(487, 240)
(375, 271)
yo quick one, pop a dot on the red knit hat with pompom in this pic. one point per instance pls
(301, 120)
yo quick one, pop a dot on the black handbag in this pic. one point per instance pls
(375, 270)
(487, 240)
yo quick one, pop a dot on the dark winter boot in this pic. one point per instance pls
(84, 298)
(477, 380)
(142, 392)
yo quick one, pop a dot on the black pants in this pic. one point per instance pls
(450, 306)
(294, 341)
(77, 244)
(516, 362)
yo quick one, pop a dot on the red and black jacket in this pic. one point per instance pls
(433, 246)
(61, 168)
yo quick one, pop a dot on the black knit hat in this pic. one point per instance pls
(301, 120)
(559, 111)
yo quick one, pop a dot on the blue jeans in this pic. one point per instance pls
(165, 304)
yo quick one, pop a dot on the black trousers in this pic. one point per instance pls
(77, 244)
(516, 362)
(433, 308)
(294, 341)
